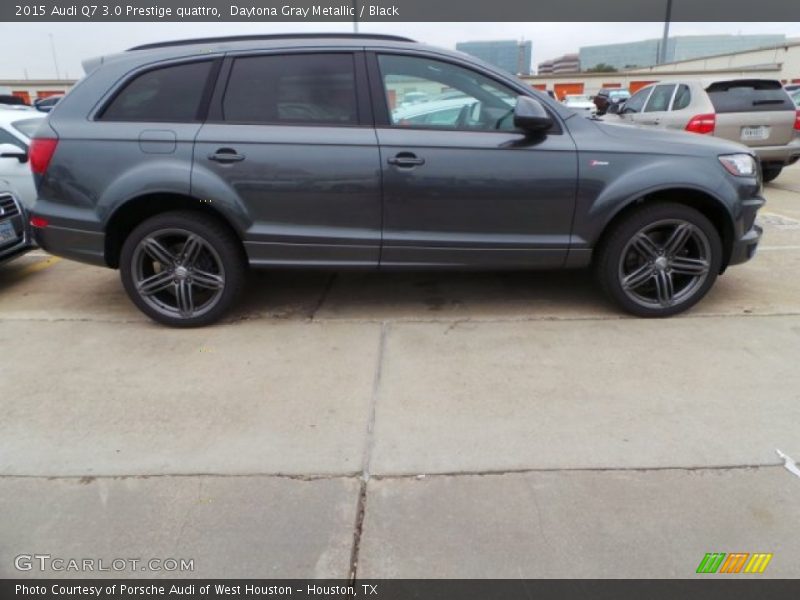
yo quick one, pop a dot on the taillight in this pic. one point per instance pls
(40, 153)
(702, 124)
(797, 120)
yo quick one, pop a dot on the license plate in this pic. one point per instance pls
(7, 233)
(755, 133)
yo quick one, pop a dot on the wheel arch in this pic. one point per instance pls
(712, 207)
(129, 214)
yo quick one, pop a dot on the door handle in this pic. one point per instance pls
(406, 160)
(226, 155)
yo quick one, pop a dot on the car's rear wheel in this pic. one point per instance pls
(659, 260)
(182, 268)
(770, 172)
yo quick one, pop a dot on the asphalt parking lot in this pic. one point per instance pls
(405, 425)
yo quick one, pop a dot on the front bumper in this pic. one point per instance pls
(745, 247)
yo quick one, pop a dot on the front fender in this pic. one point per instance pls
(607, 185)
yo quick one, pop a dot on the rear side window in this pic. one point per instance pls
(171, 94)
(749, 96)
(659, 99)
(682, 97)
(292, 89)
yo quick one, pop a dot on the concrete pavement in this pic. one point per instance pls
(509, 424)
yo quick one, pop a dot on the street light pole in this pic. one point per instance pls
(55, 60)
(662, 53)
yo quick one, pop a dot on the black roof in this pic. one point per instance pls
(278, 36)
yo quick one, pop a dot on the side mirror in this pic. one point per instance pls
(12, 151)
(530, 115)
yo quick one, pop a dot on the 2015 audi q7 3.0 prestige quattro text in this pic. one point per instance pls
(181, 163)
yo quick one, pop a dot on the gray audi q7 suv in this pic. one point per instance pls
(181, 163)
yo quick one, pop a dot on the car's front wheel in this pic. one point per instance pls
(659, 260)
(182, 268)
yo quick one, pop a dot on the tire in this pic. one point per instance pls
(182, 268)
(770, 173)
(667, 274)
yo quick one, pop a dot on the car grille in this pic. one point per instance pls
(8, 207)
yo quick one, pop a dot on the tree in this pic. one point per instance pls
(602, 68)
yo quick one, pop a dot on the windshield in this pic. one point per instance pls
(27, 127)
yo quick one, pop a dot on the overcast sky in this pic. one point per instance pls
(25, 47)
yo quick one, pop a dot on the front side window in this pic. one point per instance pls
(424, 93)
(659, 99)
(167, 94)
(635, 103)
(314, 89)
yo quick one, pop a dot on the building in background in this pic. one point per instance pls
(569, 63)
(644, 53)
(779, 62)
(510, 55)
(35, 89)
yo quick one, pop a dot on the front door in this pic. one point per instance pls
(461, 186)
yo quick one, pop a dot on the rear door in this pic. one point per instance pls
(755, 112)
(657, 106)
(290, 137)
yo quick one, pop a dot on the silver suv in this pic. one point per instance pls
(755, 112)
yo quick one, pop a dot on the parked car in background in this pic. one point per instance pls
(14, 229)
(792, 87)
(607, 97)
(795, 95)
(755, 112)
(436, 112)
(580, 103)
(177, 163)
(11, 100)
(47, 104)
(17, 125)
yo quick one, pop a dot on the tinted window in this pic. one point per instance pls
(295, 88)
(7, 138)
(27, 127)
(635, 103)
(682, 97)
(165, 94)
(749, 96)
(428, 93)
(659, 99)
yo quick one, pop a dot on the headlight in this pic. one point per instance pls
(741, 165)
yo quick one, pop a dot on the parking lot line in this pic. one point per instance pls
(42, 264)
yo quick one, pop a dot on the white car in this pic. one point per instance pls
(15, 236)
(17, 125)
(579, 103)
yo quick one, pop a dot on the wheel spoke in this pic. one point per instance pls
(645, 246)
(207, 280)
(155, 283)
(683, 265)
(638, 277)
(678, 239)
(191, 250)
(664, 288)
(183, 293)
(157, 252)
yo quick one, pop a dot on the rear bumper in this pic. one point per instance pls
(785, 155)
(76, 244)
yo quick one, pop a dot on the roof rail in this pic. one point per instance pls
(277, 36)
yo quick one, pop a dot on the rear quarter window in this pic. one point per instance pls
(754, 96)
(166, 94)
